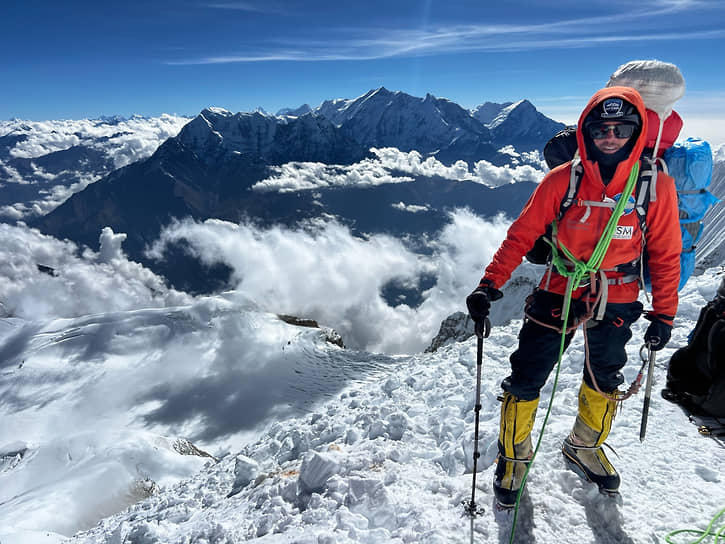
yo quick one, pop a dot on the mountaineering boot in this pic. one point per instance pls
(514, 447)
(583, 446)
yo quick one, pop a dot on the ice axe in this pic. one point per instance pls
(647, 354)
(483, 329)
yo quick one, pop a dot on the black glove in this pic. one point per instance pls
(658, 333)
(479, 302)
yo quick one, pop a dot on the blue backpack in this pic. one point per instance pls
(690, 163)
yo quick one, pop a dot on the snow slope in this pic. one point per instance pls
(711, 249)
(387, 457)
(95, 405)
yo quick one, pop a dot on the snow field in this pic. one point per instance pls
(388, 460)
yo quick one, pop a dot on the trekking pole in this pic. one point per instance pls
(650, 357)
(483, 329)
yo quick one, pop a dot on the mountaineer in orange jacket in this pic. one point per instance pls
(611, 135)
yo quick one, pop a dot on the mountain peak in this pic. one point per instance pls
(522, 122)
(524, 105)
(213, 111)
(487, 112)
(381, 91)
(295, 112)
(262, 111)
(110, 119)
(522, 108)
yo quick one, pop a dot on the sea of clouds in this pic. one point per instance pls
(124, 141)
(320, 271)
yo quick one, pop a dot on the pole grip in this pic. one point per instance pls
(483, 328)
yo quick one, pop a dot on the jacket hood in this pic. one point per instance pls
(625, 166)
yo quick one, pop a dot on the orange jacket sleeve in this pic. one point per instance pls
(540, 210)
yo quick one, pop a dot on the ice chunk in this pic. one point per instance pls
(316, 469)
(245, 470)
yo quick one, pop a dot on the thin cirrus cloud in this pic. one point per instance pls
(270, 8)
(379, 43)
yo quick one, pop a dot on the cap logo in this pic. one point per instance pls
(612, 108)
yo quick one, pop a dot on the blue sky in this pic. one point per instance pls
(84, 59)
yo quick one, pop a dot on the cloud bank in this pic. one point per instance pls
(324, 272)
(124, 140)
(45, 278)
(318, 271)
(121, 141)
(391, 165)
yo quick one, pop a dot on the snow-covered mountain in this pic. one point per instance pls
(43, 163)
(216, 132)
(381, 118)
(291, 169)
(522, 125)
(518, 123)
(488, 111)
(295, 112)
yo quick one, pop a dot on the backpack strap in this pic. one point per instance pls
(644, 192)
(646, 189)
(575, 179)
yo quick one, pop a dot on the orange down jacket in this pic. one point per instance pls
(662, 236)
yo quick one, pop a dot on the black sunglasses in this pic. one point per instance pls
(598, 132)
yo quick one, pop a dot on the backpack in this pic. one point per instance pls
(696, 372)
(689, 163)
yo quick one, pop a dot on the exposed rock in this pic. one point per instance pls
(185, 447)
(330, 335)
(47, 270)
(299, 321)
(456, 327)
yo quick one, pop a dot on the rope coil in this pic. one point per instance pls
(703, 534)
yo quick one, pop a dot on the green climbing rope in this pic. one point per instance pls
(580, 270)
(703, 534)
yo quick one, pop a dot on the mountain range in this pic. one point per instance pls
(300, 164)
(214, 166)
